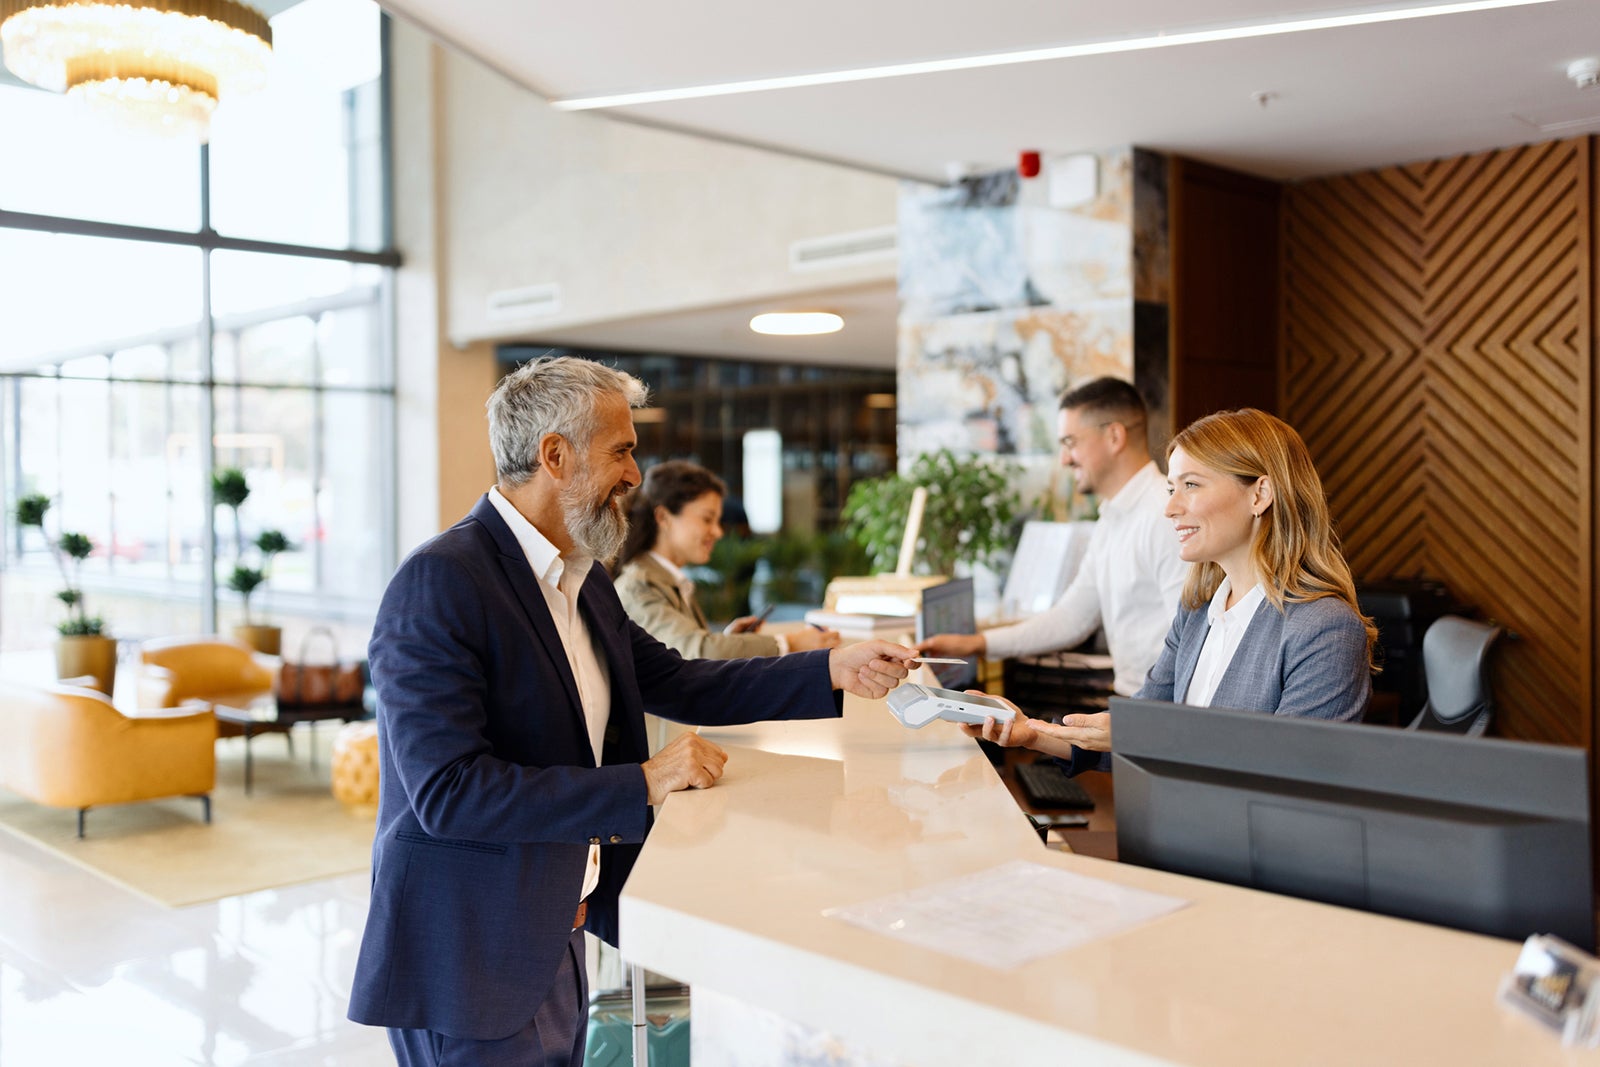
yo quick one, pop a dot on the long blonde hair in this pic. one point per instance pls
(1295, 551)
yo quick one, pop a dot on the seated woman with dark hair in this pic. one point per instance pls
(1268, 620)
(676, 520)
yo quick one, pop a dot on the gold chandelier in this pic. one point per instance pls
(161, 63)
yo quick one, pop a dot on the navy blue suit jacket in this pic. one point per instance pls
(489, 795)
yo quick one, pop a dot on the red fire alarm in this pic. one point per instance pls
(1028, 164)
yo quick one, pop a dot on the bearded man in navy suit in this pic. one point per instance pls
(516, 782)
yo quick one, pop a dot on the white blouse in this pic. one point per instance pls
(1227, 628)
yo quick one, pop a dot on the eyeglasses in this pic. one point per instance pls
(1070, 441)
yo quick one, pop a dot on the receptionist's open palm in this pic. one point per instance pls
(1092, 732)
(1019, 731)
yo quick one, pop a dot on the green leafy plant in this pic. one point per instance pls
(788, 567)
(244, 581)
(270, 542)
(30, 511)
(230, 489)
(967, 519)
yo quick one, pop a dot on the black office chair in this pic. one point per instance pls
(1455, 660)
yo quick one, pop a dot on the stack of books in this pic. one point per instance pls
(862, 624)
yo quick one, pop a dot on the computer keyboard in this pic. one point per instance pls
(1046, 785)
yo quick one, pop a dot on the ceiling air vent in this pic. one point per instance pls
(529, 302)
(843, 249)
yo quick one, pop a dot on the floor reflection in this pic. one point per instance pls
(93, 973)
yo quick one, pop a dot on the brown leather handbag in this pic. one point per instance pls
(334, 683)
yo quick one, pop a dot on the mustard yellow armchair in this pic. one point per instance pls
(68, 747)
(176, 669)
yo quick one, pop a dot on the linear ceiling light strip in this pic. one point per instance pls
(1034, 55)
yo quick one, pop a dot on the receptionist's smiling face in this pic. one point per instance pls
(1211, 512)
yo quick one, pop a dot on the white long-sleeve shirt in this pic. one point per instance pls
(1129, 582)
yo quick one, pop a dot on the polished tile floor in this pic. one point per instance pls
(93, 973)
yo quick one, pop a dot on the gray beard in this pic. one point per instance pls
(597, 531)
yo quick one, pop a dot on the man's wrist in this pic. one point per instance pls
(650, 796)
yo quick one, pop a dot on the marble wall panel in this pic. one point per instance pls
(1005, 301)
(988, 382)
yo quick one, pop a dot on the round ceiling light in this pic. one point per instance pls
(796, 323)
(161, 63)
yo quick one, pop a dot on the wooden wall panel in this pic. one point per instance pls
(1224, 240)
(1437, 356)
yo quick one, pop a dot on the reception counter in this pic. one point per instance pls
(731, 890)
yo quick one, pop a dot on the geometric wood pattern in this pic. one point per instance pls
(1438, 357)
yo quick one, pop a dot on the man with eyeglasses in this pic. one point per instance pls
(1131, 574)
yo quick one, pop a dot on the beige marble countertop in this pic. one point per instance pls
(730, 891)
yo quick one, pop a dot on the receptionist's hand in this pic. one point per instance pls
(1092, 732)
(953, 645)
(869, 668)
(1019, 731)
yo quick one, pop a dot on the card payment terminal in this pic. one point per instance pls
(918, 705)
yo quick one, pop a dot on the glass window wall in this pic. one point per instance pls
(300, 162)
(81, 167)
(63, 295)
(134, 364)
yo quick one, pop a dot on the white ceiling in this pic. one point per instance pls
(1346, 99)
(1342, 99)
(870, 314)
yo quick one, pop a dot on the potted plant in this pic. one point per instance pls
(82, 650)
(230, 489)
(263, 637)
(970, 510)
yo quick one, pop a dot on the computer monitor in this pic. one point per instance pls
(1046, 560)
(948, 609)
(1484, 835)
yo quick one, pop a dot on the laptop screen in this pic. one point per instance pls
(948, 609)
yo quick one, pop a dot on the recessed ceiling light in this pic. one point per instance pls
(796, 323)
(1229, 32)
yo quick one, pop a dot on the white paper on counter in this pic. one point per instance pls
(1009, 915)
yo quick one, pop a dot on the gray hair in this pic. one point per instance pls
(552, 394)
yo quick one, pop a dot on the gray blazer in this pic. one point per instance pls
(1308, 660)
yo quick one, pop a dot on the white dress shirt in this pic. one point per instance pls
(1227, 628)
(1129, 582)
(560, 580)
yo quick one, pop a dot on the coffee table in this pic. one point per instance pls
(264, 715)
